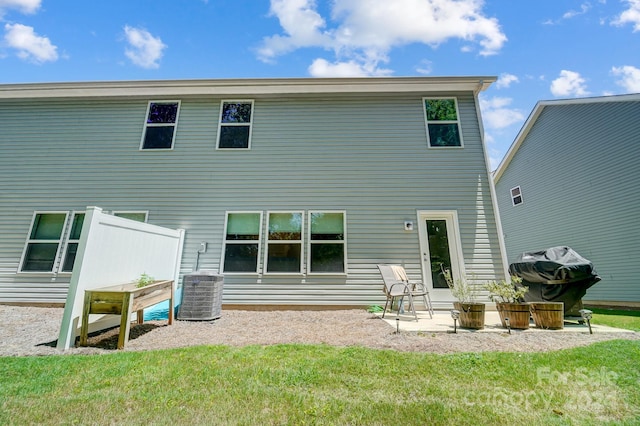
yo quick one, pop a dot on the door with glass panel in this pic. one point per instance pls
(440, 250)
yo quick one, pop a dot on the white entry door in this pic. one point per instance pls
(440, 248)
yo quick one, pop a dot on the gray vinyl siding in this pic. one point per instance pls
(366, 155)
(579, 170)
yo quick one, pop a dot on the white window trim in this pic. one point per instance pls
(63, 235)
(68, 240)
(458, 121)
(343, 241)
(275, 242)
(225, 242)
(250, 124)
(144, 212)
(455, 244)
(513, 197)
(146, 125)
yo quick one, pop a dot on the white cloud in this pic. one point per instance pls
(629, 77)
(505, 80)
(30, 46)
(425, 67)
(301, 24)
(572, 13)
(23, 6)
(499, 119)
(496, 113)
(366, 30)
(495, 156)
(383, 23)
(570, 83)
(323, 68)
(584, 8)
(630, 15)
(144, 49)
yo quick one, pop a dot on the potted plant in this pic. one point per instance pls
(466, 295)
(508, 296)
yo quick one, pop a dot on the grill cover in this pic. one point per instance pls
(557, 274)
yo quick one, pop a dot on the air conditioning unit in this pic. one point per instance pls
(201, 296)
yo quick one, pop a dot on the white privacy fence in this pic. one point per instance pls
(114, 250)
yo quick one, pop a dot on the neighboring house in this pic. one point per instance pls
(294, 189)
(571, 179)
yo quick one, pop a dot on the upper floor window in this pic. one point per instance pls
(44, 242)
(234, 131)
(516, 196)
(443, 125)
(284, 242)
(160, 125)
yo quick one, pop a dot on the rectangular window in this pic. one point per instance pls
(516, 196)
(234, 131)
(442, 120)
(133, 215)
(43, 245)
(72, 243)
(327, 249)
(160, 125)
(242, 242)
(284, 242)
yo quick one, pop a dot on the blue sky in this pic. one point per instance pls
(539, 49)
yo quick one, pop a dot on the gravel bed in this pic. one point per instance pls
(28, 331)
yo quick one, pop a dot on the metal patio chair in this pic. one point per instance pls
(397, 285)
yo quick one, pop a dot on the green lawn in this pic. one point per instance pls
(629, 320)
(319, 384)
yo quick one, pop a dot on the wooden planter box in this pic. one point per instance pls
(549, 315)
(471, 315)
(518, 314)
(122, 300)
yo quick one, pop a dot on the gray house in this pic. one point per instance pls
(294, 189)
(571, 179)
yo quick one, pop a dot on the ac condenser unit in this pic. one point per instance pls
(201, 296)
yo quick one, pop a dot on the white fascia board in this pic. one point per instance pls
(535, 113)
(240, 87)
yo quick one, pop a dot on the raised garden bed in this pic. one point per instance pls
(123, 299)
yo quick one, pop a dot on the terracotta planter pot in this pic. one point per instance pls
(471, 315)
(518, 314)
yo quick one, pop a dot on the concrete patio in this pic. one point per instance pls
(443, 323)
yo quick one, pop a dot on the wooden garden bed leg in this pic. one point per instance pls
(125, 321)
(84, 329)
(171, 305)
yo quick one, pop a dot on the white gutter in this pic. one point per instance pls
(240, 87)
